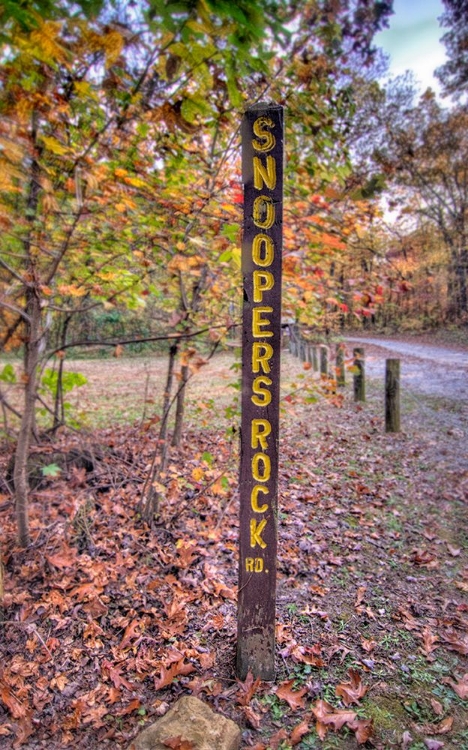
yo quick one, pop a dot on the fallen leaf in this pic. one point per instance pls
(441, 728)
(424, 558)
(361, 592)
(298, 732)
(429, 641)
(461, 687)
(437, 707)
(352, 691)
(327, 717)
(406, 740)
(17, 709)
(252, 718)
(129, 633)
(276, 739)
(249, 687)
(168, 675)
(177, 743)
(455, 643)
(368, 645)
(363, 729)
(434, 744)
(294, 698)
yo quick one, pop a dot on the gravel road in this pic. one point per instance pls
(433, 370)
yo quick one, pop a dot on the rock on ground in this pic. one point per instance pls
(196, 726)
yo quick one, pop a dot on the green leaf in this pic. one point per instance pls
(8, 375)
(52, 470)
(208, 458)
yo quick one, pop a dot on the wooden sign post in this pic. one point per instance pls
(262, 175)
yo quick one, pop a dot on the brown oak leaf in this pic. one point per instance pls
(248, 689)
(177, 743)
(363, 729)
(352, 691)
(294, 698)
(328, 717)
(298, 732)
(461, 687)
(167, 675)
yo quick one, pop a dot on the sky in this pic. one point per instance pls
(413, 40)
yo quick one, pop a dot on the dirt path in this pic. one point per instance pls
(432, 370)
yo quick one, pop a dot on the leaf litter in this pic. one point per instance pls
(106, 623)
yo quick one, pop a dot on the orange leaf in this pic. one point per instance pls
(293, 697)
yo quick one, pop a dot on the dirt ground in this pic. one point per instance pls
(106, 622)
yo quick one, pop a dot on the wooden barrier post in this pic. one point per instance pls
(324, 361)
(340, 366)
(392, 395)
(359, 378)
(314, 358)
(262, 174)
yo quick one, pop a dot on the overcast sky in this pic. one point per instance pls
(412, 40)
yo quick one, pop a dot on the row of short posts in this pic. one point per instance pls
(318, 355)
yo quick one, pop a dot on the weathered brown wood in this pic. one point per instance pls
(340, 366)
(392, 395)
(262, 174)
(324, 361)
(314, 359)
(359, 374)
(302, 350)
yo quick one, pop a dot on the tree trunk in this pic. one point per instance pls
(31, 361)
(151, 495)
(180, 406)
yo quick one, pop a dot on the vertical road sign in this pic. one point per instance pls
(262, 175)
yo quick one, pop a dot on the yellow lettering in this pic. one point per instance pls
(259, 129)
(262, 395)
(263, 250)
(261, 354)
(260, 438)
(264, 173)
(255, 533)
(266, 467)
(249, 564)
(263, 281)
(258, 322)
(263, 212)
(258, 564)
(254, 499)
